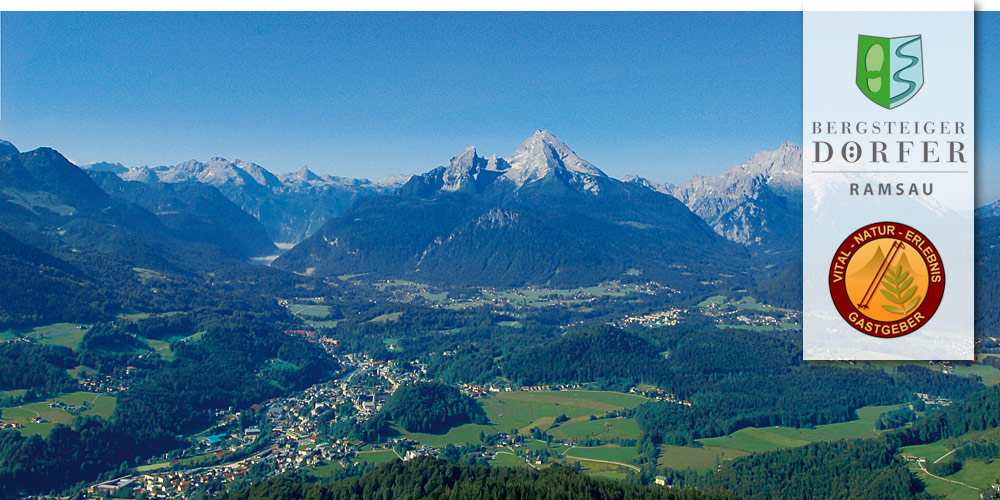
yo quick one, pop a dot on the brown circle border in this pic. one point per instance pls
(845, 306)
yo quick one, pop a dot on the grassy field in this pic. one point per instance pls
(81, 370)
(754, 439)
(386, 317)
(376, 457)
(153, 467)
(468, 433)
(523, 410)
(310, 310)
(622, 428)
(930, 451)
(103, 406)
(598, 469)
(864, 425)
(326, 470)
(975, 475)
(938, 449)
(434, 296)
(322, 323)
(610, 452)
(509, 459)
(163, 346)
(715, 299)
(990, 375)
(61, 334)
(704, 458)
(141, 315)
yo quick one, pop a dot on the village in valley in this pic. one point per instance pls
(309, 432)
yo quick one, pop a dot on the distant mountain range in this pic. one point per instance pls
(70, 238)
(756, 204)
(991, 210)
(78, 245)
(542, 215)
(545, 216)
(290, 206)
(48, 202)
(199, 209)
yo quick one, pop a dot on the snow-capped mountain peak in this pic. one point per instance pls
(461, 171)
(497, 164)
(466, 160)
(302, 176)
(544, 154)
(307, 175)
(259, 173)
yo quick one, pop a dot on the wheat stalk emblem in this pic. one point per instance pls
(898, 288)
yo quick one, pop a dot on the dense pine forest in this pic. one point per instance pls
(438, 479)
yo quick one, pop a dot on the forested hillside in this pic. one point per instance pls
(437, 479)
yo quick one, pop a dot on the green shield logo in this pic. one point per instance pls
(890, 70)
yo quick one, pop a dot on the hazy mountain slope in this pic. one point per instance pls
(290, 206)
(40, 288)
(757, 204)
(196, 210)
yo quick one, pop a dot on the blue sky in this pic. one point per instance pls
(663, 95)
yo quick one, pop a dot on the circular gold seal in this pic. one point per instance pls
(886, 279)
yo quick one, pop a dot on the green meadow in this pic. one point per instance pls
(310, 310)
(703, 458)
(526, 409)
(102, 406)
(60, 334)
(605, 429)
(376, 457)
(610, 452)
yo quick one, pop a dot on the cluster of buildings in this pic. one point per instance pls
(769, 317)
(290, 428)
(17, 339)
(179, 484)
(660, 395)
(104, 384)
(931, 402)
(71, 409)
(423, 451)
(659, 318)
(992, 493)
